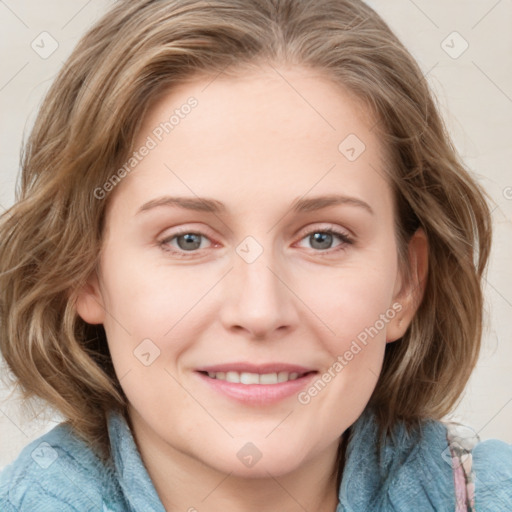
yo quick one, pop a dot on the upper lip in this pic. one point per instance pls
(256, 368)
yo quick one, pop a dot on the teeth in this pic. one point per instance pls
(232, 377)
(249, 378)
(271, 378)
(253, 378)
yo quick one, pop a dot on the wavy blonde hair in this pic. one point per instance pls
(85, 130)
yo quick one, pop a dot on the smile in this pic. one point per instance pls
(256, 389)
(255, 378)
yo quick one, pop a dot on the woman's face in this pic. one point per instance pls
(242, 272)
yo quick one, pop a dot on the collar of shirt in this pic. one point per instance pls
(132, 475)
(403, 472)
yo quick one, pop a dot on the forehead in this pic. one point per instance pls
(271, 135)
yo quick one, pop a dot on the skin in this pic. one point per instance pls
(256, 144)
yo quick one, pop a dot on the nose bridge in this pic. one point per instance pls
(259, 301)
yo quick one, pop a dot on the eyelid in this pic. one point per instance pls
(326, 226)
(182, 230)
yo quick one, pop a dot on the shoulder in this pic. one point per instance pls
(395, 471)
(492, 468)
(416, 465)
(57, 471)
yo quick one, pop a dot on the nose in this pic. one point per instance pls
(258, 300)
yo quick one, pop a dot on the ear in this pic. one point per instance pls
(409, 294)
(89, 301)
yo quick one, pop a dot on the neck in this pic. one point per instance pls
(183, 482)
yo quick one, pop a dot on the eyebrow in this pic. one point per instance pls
(317, 203)
(200, 204)
(204, 204)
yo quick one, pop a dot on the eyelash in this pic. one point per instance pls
(345, 239)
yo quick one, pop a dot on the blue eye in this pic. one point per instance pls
(322, 239)
(187, 241)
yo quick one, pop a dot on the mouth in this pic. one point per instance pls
(248, 378)
(262, 386)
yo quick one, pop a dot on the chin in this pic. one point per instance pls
(253, 460)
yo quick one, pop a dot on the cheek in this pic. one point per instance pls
(357, 307)
(148, 299)
(152, 318)
(352, 299)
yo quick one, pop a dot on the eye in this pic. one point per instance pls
(322, 239)
(186, 242)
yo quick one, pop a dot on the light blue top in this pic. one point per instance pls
(59, 473)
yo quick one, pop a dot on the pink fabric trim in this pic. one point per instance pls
(460, 485)
(463, 478)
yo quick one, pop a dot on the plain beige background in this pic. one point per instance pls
(465, 50)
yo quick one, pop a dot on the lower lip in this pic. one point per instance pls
(258, 394)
